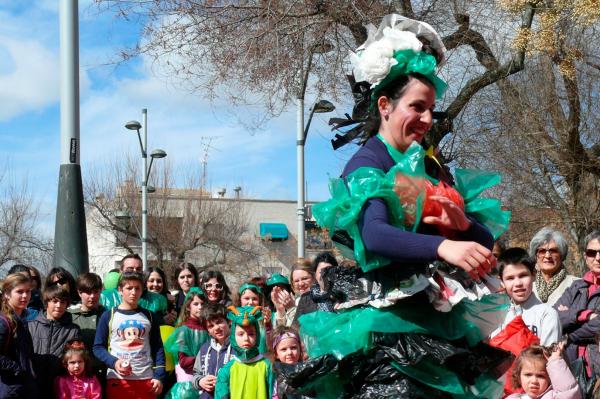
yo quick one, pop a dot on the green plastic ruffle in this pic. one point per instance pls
(183, 390)
(343, 333)
(186, 340)
(342, 211)
(470, 184)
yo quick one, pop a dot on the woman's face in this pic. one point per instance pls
(213, 289)
(592, 256)
(548, 258)
(155, 283)
(185, 280)
(302, 281)
(18, 297)
(410, 118)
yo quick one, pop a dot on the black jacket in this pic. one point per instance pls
(16, 370)
(49, 338)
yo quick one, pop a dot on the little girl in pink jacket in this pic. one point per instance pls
(543, 376)
(79, 382)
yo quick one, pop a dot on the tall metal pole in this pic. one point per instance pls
(145, 191)
(70, 238)
(300, 168)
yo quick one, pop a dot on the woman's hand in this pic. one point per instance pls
(452, 216)
(287, 299)
(470, 256)
(279, 308)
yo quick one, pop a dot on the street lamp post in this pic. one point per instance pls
(321, 106)
(135, 125)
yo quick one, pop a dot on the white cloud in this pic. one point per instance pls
(33, 82)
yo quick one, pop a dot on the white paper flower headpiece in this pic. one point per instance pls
(395, 49)
(373, 63)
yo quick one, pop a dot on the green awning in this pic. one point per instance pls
(273, 231)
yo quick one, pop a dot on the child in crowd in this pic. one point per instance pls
(287, 349)
(128, 343)
(252, 295)
(544, 376)
(49, 332)
(249, 373)
(185, 342)
(80, 381)
(517, 271)
(214, 353)
(87, 313)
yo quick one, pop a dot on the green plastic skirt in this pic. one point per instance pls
(342, 334)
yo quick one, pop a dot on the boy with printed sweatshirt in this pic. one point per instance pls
(128, 342)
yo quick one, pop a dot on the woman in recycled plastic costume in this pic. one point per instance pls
(410, 320)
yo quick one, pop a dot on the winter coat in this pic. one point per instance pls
(16, 368)
(563, 384)
(49, 338)
(580, 333)
(209, 360)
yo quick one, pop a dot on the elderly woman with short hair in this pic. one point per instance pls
(549, 249)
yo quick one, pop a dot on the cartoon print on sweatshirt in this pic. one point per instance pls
(131, 332)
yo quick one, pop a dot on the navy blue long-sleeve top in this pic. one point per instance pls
(380, 237)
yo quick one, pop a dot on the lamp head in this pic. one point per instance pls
(157, 153)
(323, 106)
(133, 125)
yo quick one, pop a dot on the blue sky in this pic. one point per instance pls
(262, 162)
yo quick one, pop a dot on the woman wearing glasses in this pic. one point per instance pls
(215, 287)
(549, 249)
(578, 309)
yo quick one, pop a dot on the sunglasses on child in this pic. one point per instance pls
(592, 253)
(216, 286)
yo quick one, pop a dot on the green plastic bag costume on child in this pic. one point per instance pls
(249, 374)
(185, 340)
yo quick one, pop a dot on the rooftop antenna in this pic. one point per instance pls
(205, 142)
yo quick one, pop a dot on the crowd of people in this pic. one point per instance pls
(430, 306)
(224, 346)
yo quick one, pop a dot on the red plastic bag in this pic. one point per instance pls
(433, 208)
(515, 337)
